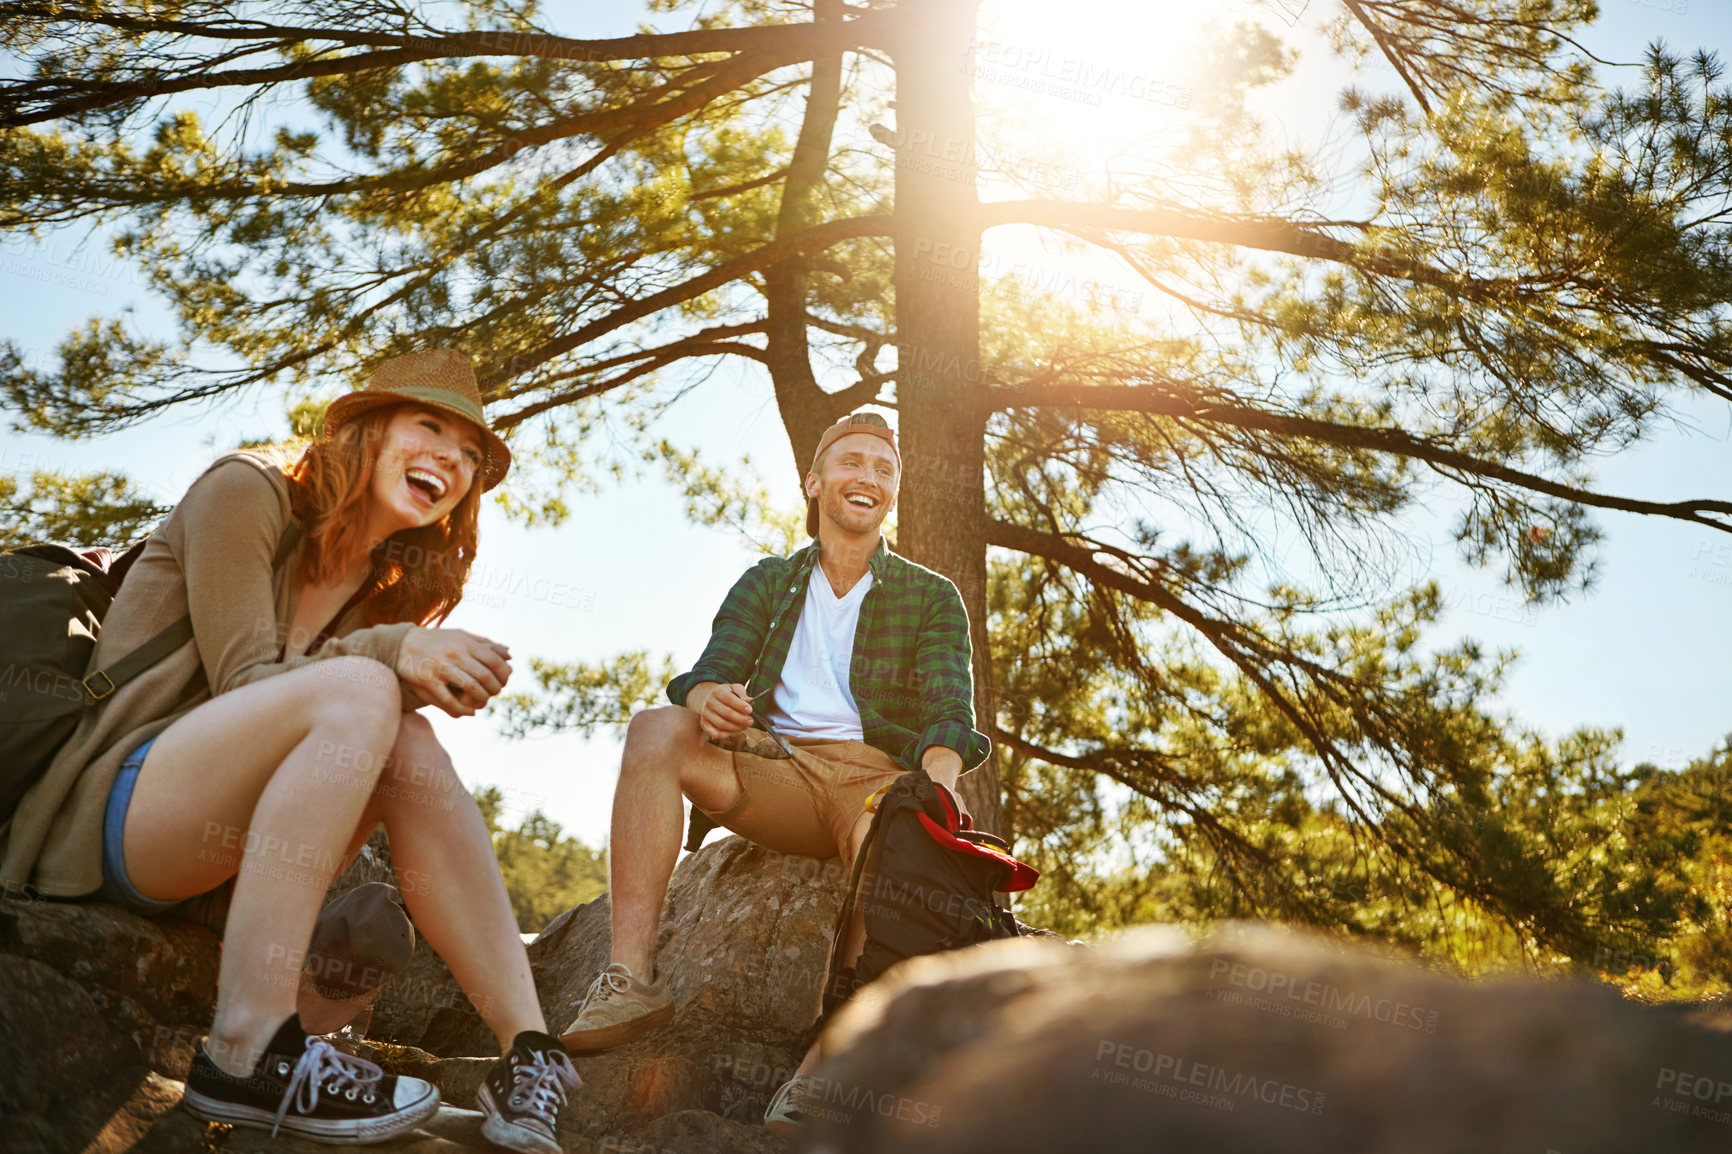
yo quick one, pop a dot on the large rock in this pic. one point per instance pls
(153, 983)
(744, 944)
(65, 1072)
(1257, 1040)
(1250, 1040)
(99, 1014)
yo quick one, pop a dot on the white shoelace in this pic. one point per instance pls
(353, 1078)
(790, 1100)
(539, 1086)
(616, 979)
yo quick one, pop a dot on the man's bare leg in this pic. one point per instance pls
(856, 940)
(665, 756)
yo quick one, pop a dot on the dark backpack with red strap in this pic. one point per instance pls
(924, 880)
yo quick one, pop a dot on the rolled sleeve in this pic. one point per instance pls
(944, 671)
(736, 636)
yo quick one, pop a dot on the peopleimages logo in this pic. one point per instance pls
(1170, 1076)
(41, 682)
(1069, 77)
(1279, 990)
(1698, 1095)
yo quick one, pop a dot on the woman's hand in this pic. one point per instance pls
(454, 669)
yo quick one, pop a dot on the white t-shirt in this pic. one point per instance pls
(813, 699)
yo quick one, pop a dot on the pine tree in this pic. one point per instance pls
(1531, 271)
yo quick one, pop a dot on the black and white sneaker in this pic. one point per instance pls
(306, 1087)
(524, 1092)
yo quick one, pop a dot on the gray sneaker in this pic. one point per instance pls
(789, 1111)
(617, 1008)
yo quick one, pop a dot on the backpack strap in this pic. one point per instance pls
(698, 827)
(103, 682)
(286, 543)
(836, 972)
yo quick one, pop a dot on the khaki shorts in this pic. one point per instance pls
(807, 804)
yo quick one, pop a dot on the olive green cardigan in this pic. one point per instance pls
(211, 557)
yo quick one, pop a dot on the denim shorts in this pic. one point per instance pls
(116, 886)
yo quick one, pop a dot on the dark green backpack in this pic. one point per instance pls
(52, 602)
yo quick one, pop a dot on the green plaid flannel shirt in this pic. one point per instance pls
(911, 673)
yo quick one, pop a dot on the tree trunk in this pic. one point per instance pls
(939, 389)
(805, 408)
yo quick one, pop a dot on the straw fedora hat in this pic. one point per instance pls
(438, 378)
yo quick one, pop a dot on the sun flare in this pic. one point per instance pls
(1082, 82)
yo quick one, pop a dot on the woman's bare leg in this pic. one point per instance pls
(450, 879)
(271, 779)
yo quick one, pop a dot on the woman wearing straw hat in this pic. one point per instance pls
(265, 751)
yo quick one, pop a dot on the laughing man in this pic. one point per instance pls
(827, 675)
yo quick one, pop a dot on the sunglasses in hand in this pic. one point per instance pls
(764, 742)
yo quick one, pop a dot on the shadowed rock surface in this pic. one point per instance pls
(1258, 1040)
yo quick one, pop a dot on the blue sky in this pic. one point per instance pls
(1645, 650)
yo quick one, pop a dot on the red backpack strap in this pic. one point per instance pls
(1018, 875)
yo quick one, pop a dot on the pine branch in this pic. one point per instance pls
(803, 405)
(1264, 234)
(1234, 642)
(1110, 764)
(1162, 402)
(648, 361)
(28, 102)
(816, 238)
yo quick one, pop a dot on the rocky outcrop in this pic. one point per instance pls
(98, 1014)
(1257, 1040)
(1248, 1040)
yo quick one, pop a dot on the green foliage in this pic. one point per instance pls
(581, 697)
(546, 872)
(719, 499)
(1682, 819)
(88, 509)
(1641, 854)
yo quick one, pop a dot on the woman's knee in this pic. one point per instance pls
(353, 690)
(416, 738)
(419, 770)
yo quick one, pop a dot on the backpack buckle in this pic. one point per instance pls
(108, 684)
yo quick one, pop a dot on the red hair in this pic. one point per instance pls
(418, 573)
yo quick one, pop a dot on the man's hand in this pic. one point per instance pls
(942, 764)
(453, 669)
(722, 709)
